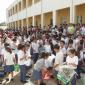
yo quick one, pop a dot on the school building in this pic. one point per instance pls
(24, 13)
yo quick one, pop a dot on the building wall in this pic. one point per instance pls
(63, 16)
(80, 12)
(30, 8)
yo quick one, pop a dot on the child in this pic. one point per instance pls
(9, 60)
(72, 61)
(21, 62)
(28, 61)
(38, 67)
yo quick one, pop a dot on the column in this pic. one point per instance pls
(42, 20)
(54, 18)
(21, 4)
(22, 24)
(72, 12)
(18, 24)
(12, 25)
(27, 22)
(33, 21)
(27, 3)
(15, 25)
(32, 2)
(7, 25)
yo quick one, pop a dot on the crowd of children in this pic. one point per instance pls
(44, 51)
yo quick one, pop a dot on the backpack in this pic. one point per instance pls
(84, 57)
(83, 63)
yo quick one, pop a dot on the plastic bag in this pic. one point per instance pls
(62, 78)
(16, 68)
(65, 74)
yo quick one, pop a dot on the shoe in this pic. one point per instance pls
(7, 79)
(4, 81)
(12, 79)
(78, 77)
(24, 81)
(28, 76)
(0, 82)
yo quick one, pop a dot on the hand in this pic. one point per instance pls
(45, 69)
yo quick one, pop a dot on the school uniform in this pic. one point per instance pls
(9, 58)
(58, 60)
(37, 69)
(73, 60)
(21, 63)
(35, 51)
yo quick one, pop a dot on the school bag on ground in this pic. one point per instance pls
(2, 73)
(83, 63)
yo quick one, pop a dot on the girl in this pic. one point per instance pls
(38, 67)
(28, 61)
(72, 61)
(21, 62)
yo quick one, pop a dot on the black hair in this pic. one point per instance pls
(44, 55)
(62, 41)
(73, 51)
(70, 41)
(6, 44)
(21, 46)
(56, 46)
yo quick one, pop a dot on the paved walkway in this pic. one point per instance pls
(51, 82)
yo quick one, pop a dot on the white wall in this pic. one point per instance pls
(47, 6)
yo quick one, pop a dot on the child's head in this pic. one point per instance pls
(44, 55)
(62, 43)
(27, 46)
(72, 52)
(56, 48)
(70, 43)
(21, 47)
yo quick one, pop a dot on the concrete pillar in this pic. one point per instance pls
(32, 2)
(33, 21)
(54, 18)
(15, 25)
(21, 4)
(27, 22)
(27, 3)
(42, 20)
(18, 7)
(72, 12)
(18, 24)
(11, 25)
(22, 24)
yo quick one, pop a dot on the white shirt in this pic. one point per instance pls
(64, 50)
(54, 42)
(28, 62)
(73, 60)
(49, 61)
(83, 30)
(28, 53)
(21, 54)
(3, 51)
(9, 57)
(59, 59)
(47, 48)
(35, 47)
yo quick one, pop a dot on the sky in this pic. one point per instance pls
(3, 5)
